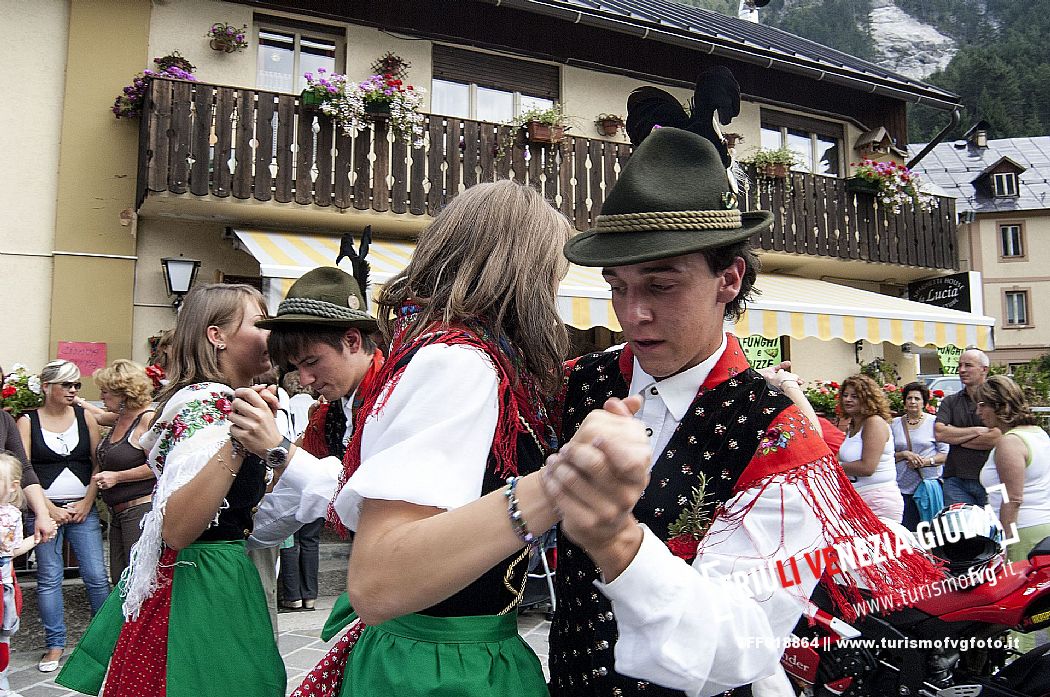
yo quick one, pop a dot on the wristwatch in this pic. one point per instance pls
(278, 455)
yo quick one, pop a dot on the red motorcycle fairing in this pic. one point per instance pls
(1009, 578)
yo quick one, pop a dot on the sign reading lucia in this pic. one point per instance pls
(951, 292)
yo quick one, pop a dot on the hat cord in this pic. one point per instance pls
(669, 220)
(318, 308)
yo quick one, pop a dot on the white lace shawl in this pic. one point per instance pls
(186, 435)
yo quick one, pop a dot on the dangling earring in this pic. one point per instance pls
(123, 404)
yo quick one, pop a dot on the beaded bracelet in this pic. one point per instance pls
(516, 519)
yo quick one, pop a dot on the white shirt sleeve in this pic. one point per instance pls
(429, 444)
(300, 496)
(724, 622)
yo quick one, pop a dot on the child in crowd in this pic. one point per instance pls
(12, 544)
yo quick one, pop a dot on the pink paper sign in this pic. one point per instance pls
(89, 356)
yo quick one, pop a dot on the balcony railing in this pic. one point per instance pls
(208, 140)
(817, 215)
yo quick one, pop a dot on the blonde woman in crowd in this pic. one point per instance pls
(124, 479)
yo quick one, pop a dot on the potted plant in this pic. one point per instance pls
(773, 164)
(321, 89)
(21, 391)
(543, 125)
(227, 38)
(174, 60)
(379, 97)
(891, 184)
(132, 98)
(608, 124)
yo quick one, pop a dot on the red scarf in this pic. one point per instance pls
(313, 438)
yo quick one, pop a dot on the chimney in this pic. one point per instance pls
(977, 136)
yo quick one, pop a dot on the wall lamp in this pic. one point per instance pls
(179, 274)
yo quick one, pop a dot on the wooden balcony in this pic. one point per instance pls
(199, 140)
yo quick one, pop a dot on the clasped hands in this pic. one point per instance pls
(596, 479)
(251, 418)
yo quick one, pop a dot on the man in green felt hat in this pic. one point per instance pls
(323, 330)
(738, 476)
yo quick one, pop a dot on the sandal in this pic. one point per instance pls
(47, 665)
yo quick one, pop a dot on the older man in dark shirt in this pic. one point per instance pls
(968, 439)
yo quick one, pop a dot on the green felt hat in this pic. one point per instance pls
(673, 197)
(327, 297)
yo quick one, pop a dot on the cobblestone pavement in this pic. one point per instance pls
(299, 637)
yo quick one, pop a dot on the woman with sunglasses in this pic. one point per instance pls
(60, 441)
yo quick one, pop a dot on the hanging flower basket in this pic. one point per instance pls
(227, 38)
(608, 124)
(543, 133)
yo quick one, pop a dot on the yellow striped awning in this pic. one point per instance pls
(788, 306)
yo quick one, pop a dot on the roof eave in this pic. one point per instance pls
(798, 65)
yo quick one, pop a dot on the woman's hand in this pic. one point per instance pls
(107, 480)
(80, 509)
(60, 516)
(252, 422)
(44, 528)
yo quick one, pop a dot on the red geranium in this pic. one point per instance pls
(9, 391)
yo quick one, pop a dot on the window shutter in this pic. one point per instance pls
(497, 72)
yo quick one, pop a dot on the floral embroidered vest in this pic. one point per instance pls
(717, 439)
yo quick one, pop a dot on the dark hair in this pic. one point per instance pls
(286, 342)
(919, 387)
(721, 258)
(1007, 401)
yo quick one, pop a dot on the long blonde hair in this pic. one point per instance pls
(495, 254)
(11, 472)
(193, 358)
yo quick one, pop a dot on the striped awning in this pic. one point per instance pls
(787, 306)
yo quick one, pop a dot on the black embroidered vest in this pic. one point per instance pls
(718, 436)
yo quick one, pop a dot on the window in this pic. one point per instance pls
(1011, 240)
(1004, 183)
(287, 51)
(486, 87)
(818, 144)
(1016, 308)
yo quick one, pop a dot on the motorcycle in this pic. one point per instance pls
(946, 645)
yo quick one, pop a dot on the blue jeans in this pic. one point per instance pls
(86, 540)
(958, 490)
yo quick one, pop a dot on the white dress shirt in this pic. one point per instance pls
(429, 445)
(700, 632)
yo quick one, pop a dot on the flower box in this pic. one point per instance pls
(859, 185)
(538, 132)
(310, 100)
(377, 109)
(774, 171)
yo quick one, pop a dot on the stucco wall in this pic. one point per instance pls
(35, 44)
(1029, 273)
(182, 24)
(161, 238)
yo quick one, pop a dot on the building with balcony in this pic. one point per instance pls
(234, 171)
(1002, 190)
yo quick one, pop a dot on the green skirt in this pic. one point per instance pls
(220, 639)
(418, 655)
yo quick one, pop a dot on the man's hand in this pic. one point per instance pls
(252, 422)
(597, 477)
